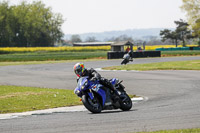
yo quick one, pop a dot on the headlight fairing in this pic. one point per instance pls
(82, 87)
(78, 93)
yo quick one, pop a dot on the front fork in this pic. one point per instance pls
(91, 95)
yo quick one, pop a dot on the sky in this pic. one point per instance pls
(85, 16)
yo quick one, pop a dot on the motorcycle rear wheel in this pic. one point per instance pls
(93, 106)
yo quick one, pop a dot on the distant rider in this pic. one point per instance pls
(130, 55)
(127, 57)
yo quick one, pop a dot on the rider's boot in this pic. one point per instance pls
(112, 88)
(108, 99)
(114, 92)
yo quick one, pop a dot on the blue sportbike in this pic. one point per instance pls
(96, 97)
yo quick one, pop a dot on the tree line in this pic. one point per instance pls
(186, 30)
(180, 34)
(34, 25)
(29, 25)
(183, 33)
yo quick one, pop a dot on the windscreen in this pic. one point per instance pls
(81, 81)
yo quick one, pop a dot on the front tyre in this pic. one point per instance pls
(93, 106)
(125, 102)
(124, 62)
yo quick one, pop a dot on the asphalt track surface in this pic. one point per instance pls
(172, 99)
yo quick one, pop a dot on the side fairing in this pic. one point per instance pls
(102, 93)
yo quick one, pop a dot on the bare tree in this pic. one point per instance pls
(91, 39)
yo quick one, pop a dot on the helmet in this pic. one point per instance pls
(79, 69)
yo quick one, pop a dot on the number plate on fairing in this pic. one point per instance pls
(96, 87)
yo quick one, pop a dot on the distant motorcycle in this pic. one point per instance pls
(95, 97)
(126, 59)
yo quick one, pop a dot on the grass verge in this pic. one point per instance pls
(45, 62)
(178, 65)
(21, 99)
(80, 55)
(195, 130)
(51, 56)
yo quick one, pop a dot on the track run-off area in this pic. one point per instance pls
(173, 99)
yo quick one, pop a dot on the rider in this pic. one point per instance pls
(130, 53)
(128, 56)
(93, 75)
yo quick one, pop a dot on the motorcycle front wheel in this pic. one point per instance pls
(93, 106)
(125, 102)
(124, 62)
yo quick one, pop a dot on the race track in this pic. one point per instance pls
(173, 99)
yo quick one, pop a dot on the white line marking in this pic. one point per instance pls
(42, 112)
(100, 69)
(137, 99)
(79, 108)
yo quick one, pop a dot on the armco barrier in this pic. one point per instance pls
(196, 48)
(185, 48)
(177, 49)
(141, 54)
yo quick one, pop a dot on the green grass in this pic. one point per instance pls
(20, 99)
(178, 65)
(61, 55)
(29, 62)
(45, 62)
(195, 130)
(51, 56)
(55, 56)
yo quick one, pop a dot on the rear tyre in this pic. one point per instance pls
(93, 106)
(125, 102)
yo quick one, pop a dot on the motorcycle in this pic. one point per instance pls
(126, 59)
(95, 97)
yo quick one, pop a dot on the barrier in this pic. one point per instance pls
(177, 49)
(196, 48)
